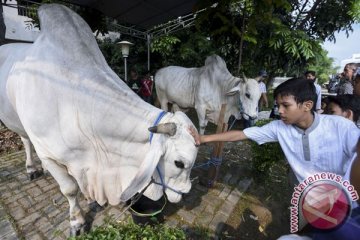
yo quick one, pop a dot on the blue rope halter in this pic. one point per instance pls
(163, 184)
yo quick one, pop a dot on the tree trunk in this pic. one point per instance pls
(2, 25)
(241, 43)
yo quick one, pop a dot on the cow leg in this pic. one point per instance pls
(202, 121)
(69, 189)
(163, 101)
(31, 170)
(175, 108)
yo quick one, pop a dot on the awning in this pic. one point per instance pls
(143, 14)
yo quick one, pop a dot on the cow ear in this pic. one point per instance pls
(146, 169)
(233, 91)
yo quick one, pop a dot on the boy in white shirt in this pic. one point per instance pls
(312, 143)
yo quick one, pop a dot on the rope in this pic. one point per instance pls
(150, 214)
(161, 115)
(212, 161)
(136, 197)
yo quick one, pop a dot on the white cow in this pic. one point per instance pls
(206, 89)
(88, 128)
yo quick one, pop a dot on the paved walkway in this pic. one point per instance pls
(37, 210)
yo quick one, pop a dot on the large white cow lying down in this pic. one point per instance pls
(88, 128)
(206, 89)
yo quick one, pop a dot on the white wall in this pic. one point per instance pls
(16, 27)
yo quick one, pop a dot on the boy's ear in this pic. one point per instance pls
(308, 105)
(349, 114)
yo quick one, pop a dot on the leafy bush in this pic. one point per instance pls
(265, 155)
(128, 230)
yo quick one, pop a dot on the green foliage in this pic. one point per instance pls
(265, 155)
(164, 46)
(283, 36)
(355, 11)
(186, 48)
(121, 230)
(113, 56)
(295, 43)
(322, 65)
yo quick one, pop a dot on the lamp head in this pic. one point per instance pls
(125, 48)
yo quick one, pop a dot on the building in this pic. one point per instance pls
(19, 28)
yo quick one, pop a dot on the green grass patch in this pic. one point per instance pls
(113, 230)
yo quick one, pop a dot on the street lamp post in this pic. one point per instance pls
(125, 47)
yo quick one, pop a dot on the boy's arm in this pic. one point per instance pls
(230, 136)
(355, 171)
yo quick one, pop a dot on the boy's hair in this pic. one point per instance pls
(352, 65)
(301, 89)
(310, 72)
(347, 102)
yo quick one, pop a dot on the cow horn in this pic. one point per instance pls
(167, 128)
(244, 77)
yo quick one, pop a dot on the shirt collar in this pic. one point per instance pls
(314, 124)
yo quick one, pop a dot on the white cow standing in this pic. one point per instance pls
(206, 89)
(88, 128)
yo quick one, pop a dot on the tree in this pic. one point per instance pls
(322, 66)
(282, 36)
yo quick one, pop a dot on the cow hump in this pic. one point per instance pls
(68, 32)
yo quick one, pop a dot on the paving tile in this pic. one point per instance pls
(41, 211)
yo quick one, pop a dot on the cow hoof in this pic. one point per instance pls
(77, 230)
(36, 174)
(95, 207)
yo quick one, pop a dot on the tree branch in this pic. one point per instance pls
(310, 13)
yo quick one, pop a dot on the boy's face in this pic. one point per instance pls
(309, 76)
(335, 109)
(292, 112)
(348, 72)
(357, 85)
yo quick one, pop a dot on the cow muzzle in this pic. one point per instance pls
(248, 117)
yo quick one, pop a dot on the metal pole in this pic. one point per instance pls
(148, 51)
(125, 65)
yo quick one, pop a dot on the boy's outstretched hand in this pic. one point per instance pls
(195, 135)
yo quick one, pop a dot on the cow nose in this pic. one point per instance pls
(253, 117)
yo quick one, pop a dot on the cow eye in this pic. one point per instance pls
(179, 164)
(247, 95)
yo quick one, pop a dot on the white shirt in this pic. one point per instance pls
(318, 93)
(327, 146)
(262, 87)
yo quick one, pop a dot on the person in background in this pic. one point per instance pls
(146, 88)
(345, 85)
(263, 101)
(134, 82)
(356, 82)
(311, 76)
(347, 105)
